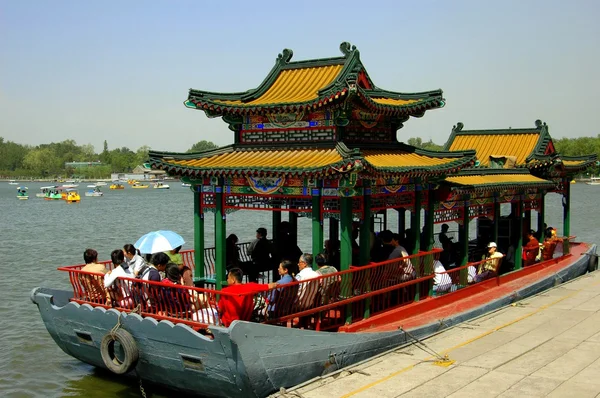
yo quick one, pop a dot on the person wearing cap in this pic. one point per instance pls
(260, 252)
(490, 262)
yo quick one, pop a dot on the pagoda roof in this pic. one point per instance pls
(324, 161)
(523, 145)
(495, 180)
(310, 85)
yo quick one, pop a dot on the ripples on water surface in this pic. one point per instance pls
(38, 236)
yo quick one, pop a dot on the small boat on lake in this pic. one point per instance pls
(72, 196)
(94, 192)
(44, 190)
(160, 185)
(12, 182)
(185, 184)
(139, 185)
(101, 184)
(117, 185)
(22, 193)
(593, 181)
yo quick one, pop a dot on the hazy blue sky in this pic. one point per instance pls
(120, 70)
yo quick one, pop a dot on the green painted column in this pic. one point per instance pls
(415, 219)
(464, 240)
(365, 229)
(220, 231)
(567, 208)
(346, 251)
(519, 220)
(317, 225)
(429, 216)
(541, 219)
(198, 235)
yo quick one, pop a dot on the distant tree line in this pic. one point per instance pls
(48, 160)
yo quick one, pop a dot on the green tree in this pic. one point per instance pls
(202, 146)
(141, 156)
(429, 145)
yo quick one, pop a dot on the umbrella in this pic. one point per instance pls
(158, 241)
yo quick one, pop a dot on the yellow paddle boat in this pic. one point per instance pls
(72, 196)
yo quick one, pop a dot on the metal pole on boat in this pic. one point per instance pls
(198, 235)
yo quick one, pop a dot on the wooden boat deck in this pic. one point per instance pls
(545, 345)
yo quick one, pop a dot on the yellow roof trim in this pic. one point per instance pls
(406, 159)
(495, 179)
(574, 162)
(294, 86)
(486, 145)
(304, 158)
(393, 101)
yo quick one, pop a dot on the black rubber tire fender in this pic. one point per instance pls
(593, 264)
(129, 347)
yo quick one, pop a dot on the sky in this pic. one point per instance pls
(119, 71)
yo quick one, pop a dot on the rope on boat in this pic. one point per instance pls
(136, 310)
(442, 360)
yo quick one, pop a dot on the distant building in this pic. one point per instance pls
(140, 173)
(83, 165)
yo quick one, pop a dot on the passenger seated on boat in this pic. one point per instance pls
(120, 293)
(530, 249)
(406, 271)
(93, 284)
(260, 251)
(232, 252)
(441, 281)
(489, 268)
(241, 305)
(275, 296)
(174, 302)
(550, 243)
(332, 251)
(133, 259)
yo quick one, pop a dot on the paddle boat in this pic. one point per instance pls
(55, 193)
(12, 182)
(160, 185)
(593, 181)
(72, 196)
(139, 185)
(94, 191)
(317, 139)
(116, 185)
(22, 193)
(44, 190)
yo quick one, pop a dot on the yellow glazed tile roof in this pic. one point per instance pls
(294, 86)
(280, 159)
(394, 159)
(496, 179)
(574, 162)
(394, 102)
(486, 145)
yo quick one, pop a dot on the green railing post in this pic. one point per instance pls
(365, 245)
(428, 261)
(567, 208)
(317, 225)
(198, 235)
(496, 212)
(220, 231)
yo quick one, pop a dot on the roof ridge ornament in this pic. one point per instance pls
(285, 56)
(539, 124)
(458, 127)
(347, 49)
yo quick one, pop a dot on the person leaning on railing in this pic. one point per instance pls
(488, 268)
(550, 243)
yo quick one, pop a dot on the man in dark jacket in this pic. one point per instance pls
(260, 253)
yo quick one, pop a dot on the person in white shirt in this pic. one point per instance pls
(120, 293)
(441, 281)
(133, 260)
(307, 291)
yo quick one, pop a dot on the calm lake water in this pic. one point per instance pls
(37, 236)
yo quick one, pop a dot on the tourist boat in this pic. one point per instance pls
(593, 181)
(71, 196)
(101, 184)
(94, 191)
(12, 182)
(306, 155)
(185, 184)
(160, 185)
(55, 193)
(22, 193)
(139, 185)
(117, 186)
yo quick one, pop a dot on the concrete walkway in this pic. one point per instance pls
(546, 345)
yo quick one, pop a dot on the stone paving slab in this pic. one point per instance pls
(544, 346)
